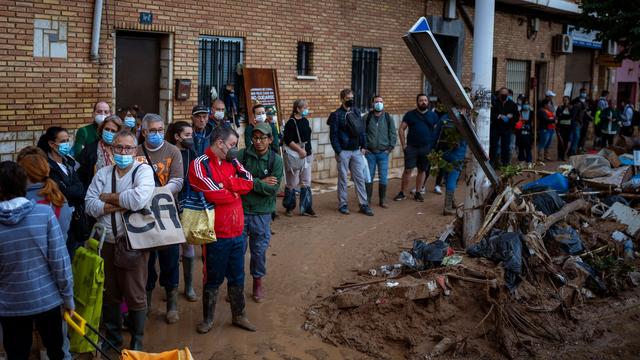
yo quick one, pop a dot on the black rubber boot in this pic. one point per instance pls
(236, 297)
(369, 188)
(112, 322)
(187, 270)
(209, 298)
(382, 193)
(149, 296)
(137, 319)
(172, 317)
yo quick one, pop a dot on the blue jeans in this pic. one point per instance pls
(169, 267)
(575, 139)
(456, 158)
(257, 228)
(222, 259)
(381, 161)
(544, 138)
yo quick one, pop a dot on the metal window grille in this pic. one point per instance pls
(218, 61)
(305, 52)
(518, 77)
(364, 76)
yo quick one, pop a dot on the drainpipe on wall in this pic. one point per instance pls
(95, 32)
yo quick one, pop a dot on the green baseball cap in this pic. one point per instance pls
(263, 128)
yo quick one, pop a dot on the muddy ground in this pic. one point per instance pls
(309, 256)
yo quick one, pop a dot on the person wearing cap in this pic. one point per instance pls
(266, 167)
(260, 116)
(549, 95)
(504, 116)
(202, 128)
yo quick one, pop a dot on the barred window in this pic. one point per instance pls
(518, 77)
(305, 55)
(218, 61)
(364, 76)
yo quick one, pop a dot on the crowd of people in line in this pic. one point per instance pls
(56, 191)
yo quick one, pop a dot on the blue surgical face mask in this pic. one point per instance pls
(107, 137)
(583, 95)
(155, 139)
(130, 122)
(510, 97)
(123, 161)
(526, 107)
(378, 106)
(305, 112)
(64, 149)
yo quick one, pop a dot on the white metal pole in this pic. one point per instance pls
(478, 187)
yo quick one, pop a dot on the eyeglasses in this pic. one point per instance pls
(259, 138)
(124, 149)
(156, 132)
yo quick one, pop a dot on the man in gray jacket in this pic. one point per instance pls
(381, 139)
(134, 185)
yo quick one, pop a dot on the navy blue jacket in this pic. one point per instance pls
(339, 134)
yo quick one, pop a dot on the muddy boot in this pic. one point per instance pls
(137, 319)
(369, 188)
(172, 317)
(187, 269)
(382, 193)
(236, 295)
(546, 155)
(112, 322)
(258, 292)
(209, 298)
(449, 206)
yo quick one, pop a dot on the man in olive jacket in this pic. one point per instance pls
(265, 165)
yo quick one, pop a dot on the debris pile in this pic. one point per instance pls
(525, 286)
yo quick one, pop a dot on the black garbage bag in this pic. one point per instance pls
(547, 201)
(568, 238)
(429, 255)
(505, 247)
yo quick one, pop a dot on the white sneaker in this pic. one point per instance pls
(423, 191)
(437, 190)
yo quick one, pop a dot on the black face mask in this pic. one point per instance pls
(348, 103)
(187, 143)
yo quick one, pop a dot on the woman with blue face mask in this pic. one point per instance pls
(56, 143)
(129, 118)
(99, 154)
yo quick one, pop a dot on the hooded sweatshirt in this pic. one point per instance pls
(35, 270)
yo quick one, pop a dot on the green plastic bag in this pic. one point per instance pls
(88, 286)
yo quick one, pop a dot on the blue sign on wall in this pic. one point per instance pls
(583, 38)
(146, 18)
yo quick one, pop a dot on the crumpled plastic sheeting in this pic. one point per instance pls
(504, 247)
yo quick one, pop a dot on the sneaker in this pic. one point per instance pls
(344, 210)
(437, 190)
(365, 209)
(399, 197)
(423, 190)
(289, 213)
(310, 212)
(418, 197)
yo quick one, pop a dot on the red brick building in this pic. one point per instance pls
(48, 77)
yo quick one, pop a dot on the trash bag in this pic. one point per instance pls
(591, 166)
(612, 199)
(547, 202)
(557, 182)
(429, 255)
(505, 247)
(568, 238)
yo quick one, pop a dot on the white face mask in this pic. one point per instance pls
(219, 115)
(99, 118)
(274, 119)
(261, 118)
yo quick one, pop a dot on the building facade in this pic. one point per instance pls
(49, 74)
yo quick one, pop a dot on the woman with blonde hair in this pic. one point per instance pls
(41, 188)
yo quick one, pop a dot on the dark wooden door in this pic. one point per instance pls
(138, 70)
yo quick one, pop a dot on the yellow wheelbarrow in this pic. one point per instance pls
(80, 326)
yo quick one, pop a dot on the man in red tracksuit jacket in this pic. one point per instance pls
(222, 179)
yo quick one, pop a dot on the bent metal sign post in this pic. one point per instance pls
(155, 225)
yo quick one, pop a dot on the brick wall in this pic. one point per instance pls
(39, 92)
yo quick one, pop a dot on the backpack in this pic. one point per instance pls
(354, 124)
(270, 162)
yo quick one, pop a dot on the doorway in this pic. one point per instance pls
(137, 64)
(626, 93)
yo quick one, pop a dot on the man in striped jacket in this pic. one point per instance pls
(221, 178)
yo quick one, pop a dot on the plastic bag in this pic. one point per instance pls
(591, 166)
(504, 247)
(428, 255)
(547, 202)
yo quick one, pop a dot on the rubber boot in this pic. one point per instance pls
(187, 270)
(172, 317)
(258, 292)
(449, 206)
(289, 200)
(236, 297)
(209, 298)
(369, 188)
(112, 322)
(137, 319)
(382, 193)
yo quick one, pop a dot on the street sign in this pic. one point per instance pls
(146, 18)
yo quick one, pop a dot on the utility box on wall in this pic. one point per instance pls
(183, 89)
